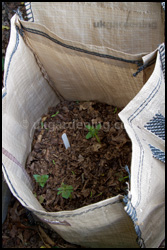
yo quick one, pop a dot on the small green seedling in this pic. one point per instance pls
(55, 114)
(99, 194)
(123, 178)
(3, 60)
(42, 125)
(115, 110)
(93, 132)
(65, 191)
(40, 198)
(41, 179)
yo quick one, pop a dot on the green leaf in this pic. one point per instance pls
(73, 172)
(55, 114)
(65, 190)
(98, 126)
(123, 178)
(89, 135)
(99, 194)
(93, 132)
(41, 199)
(5, 27)
(98, 139)
(36, 176)
(3, 60)
(42, 184)
(66, 194)
(115, 110)
(41, 179)
(88, 127)
(42, 125)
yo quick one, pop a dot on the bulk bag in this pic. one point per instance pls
(107, 52)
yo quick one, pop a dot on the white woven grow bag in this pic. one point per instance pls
(66, 52)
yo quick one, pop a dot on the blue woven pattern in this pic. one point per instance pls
(157, 126)
(10, 59)
(29, 12)
(161, 49)
(151, 97)
(163, 5)
(131, 211)
(157, 153)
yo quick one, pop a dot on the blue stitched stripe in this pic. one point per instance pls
(4, 94)
(10, 59)
(19, 13)
(131, 211)
(29, 12)
(157, 126)
(161, 49)
(14, 190)
(130, 119)
(157, 153)
(146, 101)
(127, 170)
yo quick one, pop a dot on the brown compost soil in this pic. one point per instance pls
(94, 170)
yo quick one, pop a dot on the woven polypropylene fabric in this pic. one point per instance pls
(43, 65)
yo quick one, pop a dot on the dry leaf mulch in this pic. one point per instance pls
(20, 230)
(8, 11)
(94, 170)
